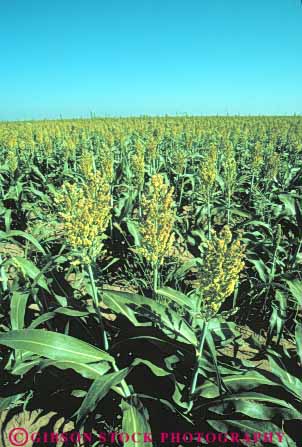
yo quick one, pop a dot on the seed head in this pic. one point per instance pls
(222, 265)
(157, 222)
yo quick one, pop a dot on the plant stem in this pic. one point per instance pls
(140, 203)
(182, 187)
(104, 334)
(3, 276)
(124, 385)
(272, 273)
(155, 279)
(228, 207)
(252, 184)
(97, 309)
(297, 253)
(209, 216)
(198, 357)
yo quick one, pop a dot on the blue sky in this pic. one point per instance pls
(119, 57)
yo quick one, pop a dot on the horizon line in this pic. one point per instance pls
(163, 115)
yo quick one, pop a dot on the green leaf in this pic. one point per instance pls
(119, 306)
(29, 269)
(17, 309)
(136, 419)
(41, 319)
(170, 322)
(240, 212)
(257, 224)
(184, 268)
(288, 201)
(246, 381)
(251, 396)
(278, 316)
(90, 371)
(3, 276)
(8, 219)
(18, 233)
(23, 367)
(178, 297)
(160, 372)
(295, 288)
(223, 331)
(261, 269)
(98, 390)
(54, 346)
(291, 383)
(248, 404)
(70, 312)
(134, 231)
(37, 171)
(212, 350)
(298, 335)
(7, 402)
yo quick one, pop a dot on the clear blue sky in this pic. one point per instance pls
(132, 57)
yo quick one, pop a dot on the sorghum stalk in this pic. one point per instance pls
(252, 183)
(3, 275)
(230, 172)
(209, 215)
(273, 268)
(156, 226)
(208, 172)
(96, 306)
(181, 192)
(198, 357)
(273, 166)
(104, 333)
(229, 208)
(222, 265)
(256, 163)
(155, 279)
(86, 216)
(180, 163)
(138, 167)
(297, 253)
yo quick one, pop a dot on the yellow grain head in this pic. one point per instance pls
(156, 227)
(222, 265)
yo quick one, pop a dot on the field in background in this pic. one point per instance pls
(151, 267)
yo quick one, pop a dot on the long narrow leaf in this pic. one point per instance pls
(53, 345)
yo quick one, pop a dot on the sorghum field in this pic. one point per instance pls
(151, 275)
